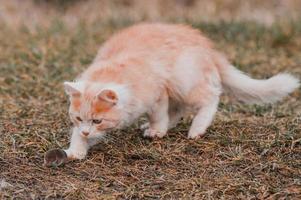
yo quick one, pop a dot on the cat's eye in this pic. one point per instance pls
(96, 121)
(79, 119)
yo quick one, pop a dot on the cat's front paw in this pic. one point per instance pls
(151, 133)
(76, 153)
(55, 158)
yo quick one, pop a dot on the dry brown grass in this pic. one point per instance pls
(250, 152)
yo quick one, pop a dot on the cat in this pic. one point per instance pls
(165, 71)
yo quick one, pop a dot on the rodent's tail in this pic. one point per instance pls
(256, 91)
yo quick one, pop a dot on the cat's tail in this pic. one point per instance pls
(251, 90)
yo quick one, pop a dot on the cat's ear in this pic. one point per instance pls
(108, 96)
(74, 88)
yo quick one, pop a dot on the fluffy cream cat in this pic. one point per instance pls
(165, 71)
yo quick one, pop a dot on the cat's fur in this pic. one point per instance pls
(165, 71)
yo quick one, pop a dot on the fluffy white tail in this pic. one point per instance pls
(257, 91)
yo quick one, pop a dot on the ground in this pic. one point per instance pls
(249, 152)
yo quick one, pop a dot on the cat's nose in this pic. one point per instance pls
(85, 133)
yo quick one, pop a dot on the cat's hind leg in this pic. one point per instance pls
(158, 118)
(176, 111)
(203, 118)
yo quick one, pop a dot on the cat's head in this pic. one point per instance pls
(96, 108)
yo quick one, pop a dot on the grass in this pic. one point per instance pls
(249, 152)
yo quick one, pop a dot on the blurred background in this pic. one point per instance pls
(72, 12)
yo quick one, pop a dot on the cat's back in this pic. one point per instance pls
(152, 37)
